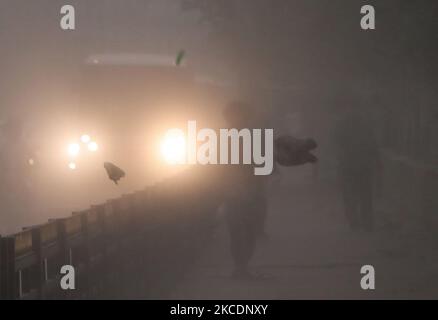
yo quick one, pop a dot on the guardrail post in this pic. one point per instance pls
(8, 268)
(101, 220)
(62, 239)
(103, 246)
(1, 269)
(64, 251)
(37, 249)
(86, 254)
(111, 238)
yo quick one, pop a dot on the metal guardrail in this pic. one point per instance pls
(154, 232)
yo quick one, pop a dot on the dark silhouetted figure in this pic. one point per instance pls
(245, 193)
(358, 168)
(245, 196)
(114, 172)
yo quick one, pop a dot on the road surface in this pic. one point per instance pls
(310, 253)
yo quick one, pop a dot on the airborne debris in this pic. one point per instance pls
(290, 151)
(180, 57)
(114, 172)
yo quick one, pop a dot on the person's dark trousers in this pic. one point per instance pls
(243, 229)
(357, 193)
(366, 210)
(261, 212)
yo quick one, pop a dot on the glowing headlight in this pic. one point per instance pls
(173, 147)
(73, 149)
(85, 138)
(92, 146)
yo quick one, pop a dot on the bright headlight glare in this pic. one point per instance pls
(73, 149)
(173, 147)
(85, 138)
(92, 146)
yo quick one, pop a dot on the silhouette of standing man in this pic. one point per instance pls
(245, 197)
(358, 168)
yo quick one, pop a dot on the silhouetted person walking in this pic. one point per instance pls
(245, 193)
(358, 168)
(245, 197)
